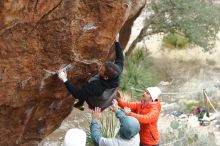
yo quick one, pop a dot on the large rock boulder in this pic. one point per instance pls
(38, 37)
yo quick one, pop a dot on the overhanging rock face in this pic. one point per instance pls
(37, 37)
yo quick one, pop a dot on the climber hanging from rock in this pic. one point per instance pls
(99, 91)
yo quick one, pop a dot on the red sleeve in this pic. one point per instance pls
(132, 105)
(149, 117)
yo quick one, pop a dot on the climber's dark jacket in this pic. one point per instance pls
(98, 92)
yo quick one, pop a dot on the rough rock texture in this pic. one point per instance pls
(125, 32)
(37, 37)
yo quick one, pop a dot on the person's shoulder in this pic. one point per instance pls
(95, 83)
(96, 86)
(155, 104)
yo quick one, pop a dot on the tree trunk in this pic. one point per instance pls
(134, 43)
(143, 33)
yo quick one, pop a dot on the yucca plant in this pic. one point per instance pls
(110, 126)
(137, 74)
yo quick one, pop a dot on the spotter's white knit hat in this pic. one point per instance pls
(154, 92)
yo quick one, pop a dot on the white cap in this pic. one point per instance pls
(154, 92)
(75, 137)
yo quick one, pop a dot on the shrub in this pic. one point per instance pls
(174, 40)
(137, 74)
(181, 134)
